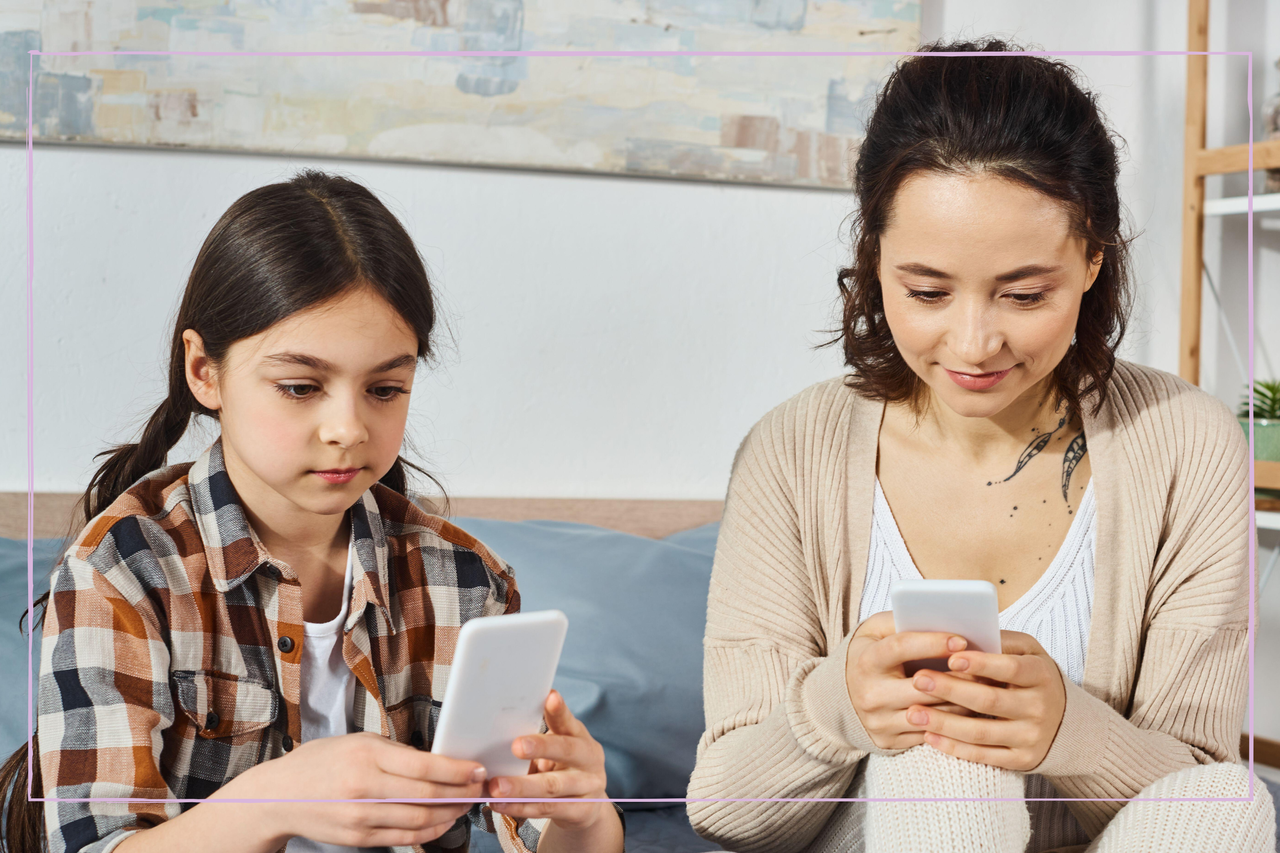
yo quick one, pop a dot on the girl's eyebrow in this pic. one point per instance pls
(1020, 273)
(322, 366)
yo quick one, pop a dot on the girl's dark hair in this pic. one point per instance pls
(278, 250)
(1024, 119)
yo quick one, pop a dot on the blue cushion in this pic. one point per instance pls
(13, 644)
(631, 669)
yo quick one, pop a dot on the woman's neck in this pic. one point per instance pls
(982, 439)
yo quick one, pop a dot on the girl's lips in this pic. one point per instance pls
(977, 382)
(338, 476)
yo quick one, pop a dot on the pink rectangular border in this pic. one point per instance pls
(616, 53)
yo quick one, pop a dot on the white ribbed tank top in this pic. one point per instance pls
(1055, 611)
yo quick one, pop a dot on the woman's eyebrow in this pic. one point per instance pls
(322, 366)
(1018, 274)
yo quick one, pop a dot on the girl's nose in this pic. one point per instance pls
(343, 426)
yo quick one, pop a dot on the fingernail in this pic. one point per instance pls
(501, 787)
(917, 718)
(960, 663)
(956, 644)
(478, 774)
(526, 748)
(924, 683)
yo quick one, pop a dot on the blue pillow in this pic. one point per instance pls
(13, 643)
(631, 669)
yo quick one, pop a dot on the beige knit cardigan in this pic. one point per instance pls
(1165, 679)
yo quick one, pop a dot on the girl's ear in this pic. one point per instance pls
(201, 377)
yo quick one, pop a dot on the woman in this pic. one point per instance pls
(987, 431)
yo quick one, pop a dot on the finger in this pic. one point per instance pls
(1018, 643)
(877, 626)
(983, 698)
(993, 755)
(406, 816)
(893, 651)
(554, 809)
(560, 719)
(1017, 669)
(551, 785)
(400, 760)
(979, 731)
(562, 749)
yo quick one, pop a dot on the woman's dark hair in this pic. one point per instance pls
(1021, 118)
(278, 250)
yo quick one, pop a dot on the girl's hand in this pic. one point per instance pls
(877, 683)
(566, 764)
(354, 767)
(1027, 705)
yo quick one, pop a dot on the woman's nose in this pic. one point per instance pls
(976, 339)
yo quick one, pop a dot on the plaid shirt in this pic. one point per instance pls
(173, 649)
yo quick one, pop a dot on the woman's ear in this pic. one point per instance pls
(202, 379)
(1094, 268)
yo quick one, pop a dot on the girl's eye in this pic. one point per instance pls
(387, 393)
(295, 392)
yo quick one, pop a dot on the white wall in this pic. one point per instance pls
(615, 337)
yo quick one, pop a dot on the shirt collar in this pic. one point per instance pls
(233, 550)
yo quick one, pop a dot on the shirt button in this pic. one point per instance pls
(416, 739)
(285, 644)
(211, 721)
(288, 743)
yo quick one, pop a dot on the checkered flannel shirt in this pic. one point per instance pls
(172, 651)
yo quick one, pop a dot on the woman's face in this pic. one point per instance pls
(313, 409)
(982, 281)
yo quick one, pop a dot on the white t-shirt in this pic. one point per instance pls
(328, 691)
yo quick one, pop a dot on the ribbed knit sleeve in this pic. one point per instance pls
(1185, 461)
(779, 719)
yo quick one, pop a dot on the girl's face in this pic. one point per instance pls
(313, 409)
(982, 281)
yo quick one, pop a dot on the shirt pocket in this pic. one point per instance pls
(225, 706)
(414, 720)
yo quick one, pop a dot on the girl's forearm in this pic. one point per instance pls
(215, 826)
(603, 836)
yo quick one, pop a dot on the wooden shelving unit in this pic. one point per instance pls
(1198, 163)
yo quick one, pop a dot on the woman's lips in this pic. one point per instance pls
(341, 475)
(977, 381)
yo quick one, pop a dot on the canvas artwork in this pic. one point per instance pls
(776, 120)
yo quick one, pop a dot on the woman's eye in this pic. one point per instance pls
(1027, 298)
(296, 392)
(926, 295)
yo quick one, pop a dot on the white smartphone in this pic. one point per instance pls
(968, 608)
(498, 686)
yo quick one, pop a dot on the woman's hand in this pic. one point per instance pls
(877, 683)
(361, 766)
(1027, 704)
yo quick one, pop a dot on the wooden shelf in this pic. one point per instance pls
(1266, 475)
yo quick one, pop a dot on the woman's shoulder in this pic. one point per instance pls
(821, 409)
(1149, 402)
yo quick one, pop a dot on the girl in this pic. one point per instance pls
(987, 431)
(275, 621)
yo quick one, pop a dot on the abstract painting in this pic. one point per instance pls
(774, 120)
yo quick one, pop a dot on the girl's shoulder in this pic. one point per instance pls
(411, 523)
(154, 509)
